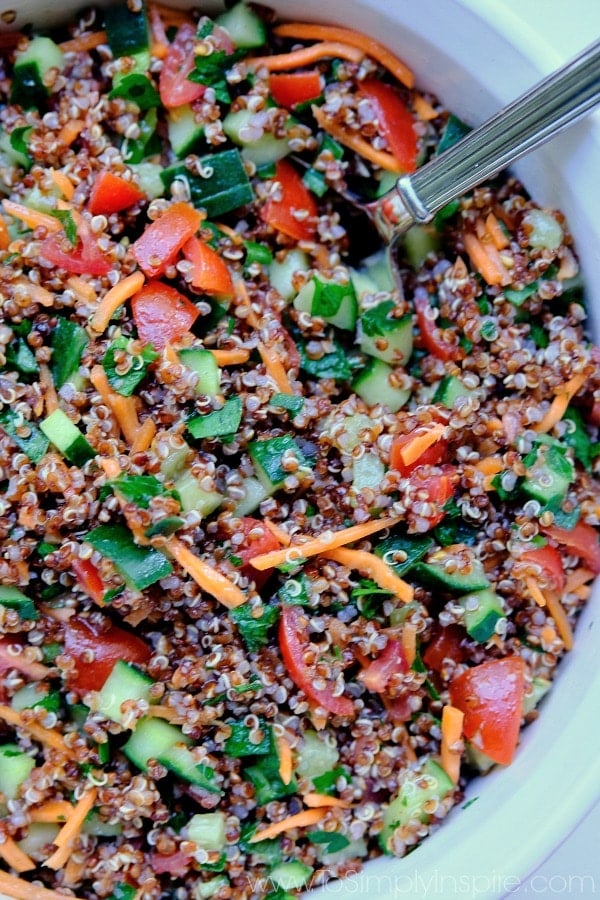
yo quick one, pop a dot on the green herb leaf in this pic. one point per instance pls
(139, 489)
(138, 89)
(289, 402)
(331, 365)
(254, 628)
(34, 444)
(325, 783)
(119, 355)
(239, 744)
(578, 438)
(19, 356)
(333, 840)
(295, 591)
(220, 422)
(68, 341)
(377, 321)
(65, 217)
(518, 298)
(123, 891)
(454, 131)
(402, 552)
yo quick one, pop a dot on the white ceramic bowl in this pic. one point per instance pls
(477, 55)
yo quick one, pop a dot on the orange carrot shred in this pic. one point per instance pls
(424, 109)
(45, 736)
(316, 801)
(123, 408)
(281, 62)
(535, 592)
(114, 298)
(275, 368)
(81, 288)
(206, 577)
(284, 751)
(231, 357)
(300, 820)
(452, 725)
(487, 265)
(559, 405)
(63, 183)
(409, 643)
(67, 835)
(84, 42)
(577, 578)
(144, 437)
(31, 217)
(70, 132)
(493, 229)
(19, 889)
(563, 626)
(52, 811)
(413, 449)
(318, 546)
(283, 536)
(13, 856)
(49, 391)
(4, 235)
(374, 567)
(355, 142)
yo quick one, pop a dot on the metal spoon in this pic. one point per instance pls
(549, 107)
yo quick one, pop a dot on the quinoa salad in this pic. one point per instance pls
(291, 547)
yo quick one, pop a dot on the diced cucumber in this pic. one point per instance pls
(204, 890)
(539, 688)
(290, 875)
(207, 830)
(378, 268)
(261, 151)
(202, 362)
(12, 598)
(179, 759)
(384, 336)
(151, 739)
(221, 422)
(367, 471)
(419, 241)
(245, 28)
(353, 434)
(549, 473)
(434, 572)
(254, 494)
(476, 759)
(96, 825)
(31, 65)
(223, 186)
(68, 341)
(29, 695)
(125, 682)
(317, 754)
(193, 497)
(418, 788)
(174, 464)
(15, 767)
(67, 438)
(356, 848)
(335, 303)
(449, 390)
(483, 610)
(127, 31)
(184, 131)
(38, 838)
(372, 385)
(267, 456)
(281, 272)
(12, 157)
(363, 283)
(148, 178)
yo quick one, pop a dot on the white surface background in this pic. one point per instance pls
(567, 26)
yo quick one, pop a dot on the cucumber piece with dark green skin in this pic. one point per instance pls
(26, 435)
(127, 32)
(31, 66)
(12, 598)
(183, 129)
(193, 496)
(483, 610)
(125, 682)
(205, 365)
(267, 456)
(449, 390)
(418, 788)
(384, 336)
(373, 386)
(435, 573)
(179, 760)
(223, 187)
(549, 473)
(151, 739)
(67, 438)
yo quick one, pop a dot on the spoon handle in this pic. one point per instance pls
(547, 108)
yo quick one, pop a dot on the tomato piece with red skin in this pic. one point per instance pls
(434, 488)
(433, 456)
(289, 88)
(85, 258)
(294, 198)
(433, 338)
(491, 697)
(175, 864)
(391, 661)
(258, 539)
(294, 643)
(174, 87)
(549, 560)
(108, 644)
(582, 541)
(396, 123)
(446, 643)
(210, 273)
(158, 246)
(88, 579)
(161, 314)
(111, 194)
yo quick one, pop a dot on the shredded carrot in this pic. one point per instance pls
(497, 236)
(283, 536)
(230, 232)
(63, 183)
(275, 368)
(162, 712)
(424, 109)
(110, 466)
(416, 447)
(452, 725)
(35, 292)
(316, 801)
(123, 408)
(49, 391)
(535, 591)
(65, 838)
(160, 41)
(114, 298)
(231, 357)
(205, 576)
(491, 465)
(84, 42)
(482, 259)
(355, 142)
(583, 591)
(81, 288)
(281, 62)
(18, 889)
(300, 820)
(548, 634)
(34, 670)
(13, 856)
(314, 31)
(52, 811)
(577, 578)
(70, 132)
(328, 541)
(4, 235)
(74, 871)
(31, 217)
(284, 751)
(44, 735)
(374, 567)
(169, 16)
(409, 642)
(563, 626)
(242, 295)
(144, 437)
(559, 405)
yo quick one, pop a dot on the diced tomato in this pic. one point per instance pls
(88, 579)
(431, 457)
(295, 199)
(175, 864)
(85, 258)
(95, 650)
(210, 273)
(290, 88)
(435, 489)
(445, 644)
(158, 246)
(434, 338)
(173, 84)
(111, 194)
(549, 560)
(491, 697)
(258, 540)
(391, 661)
(293, 643)
(581, 540)
(161, 314)
(396, 123)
